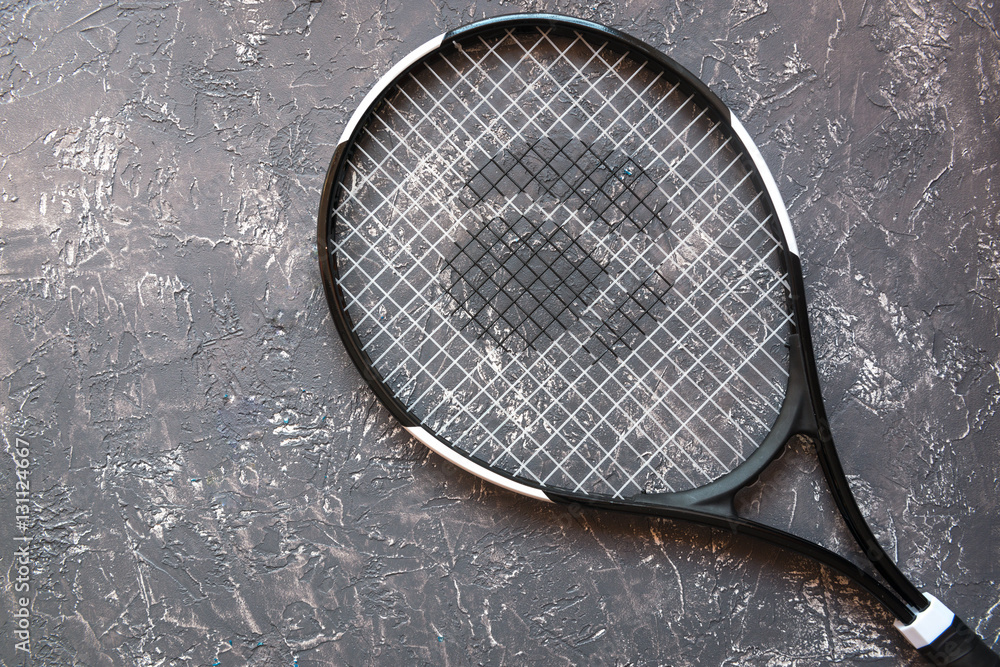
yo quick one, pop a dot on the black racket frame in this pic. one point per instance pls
(802, 412)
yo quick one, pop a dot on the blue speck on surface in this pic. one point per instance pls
(440, 638)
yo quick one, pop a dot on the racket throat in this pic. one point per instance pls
(801, 413)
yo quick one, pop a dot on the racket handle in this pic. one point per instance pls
(959, 646)
(945, 640)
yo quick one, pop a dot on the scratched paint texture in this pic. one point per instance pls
(213, 483)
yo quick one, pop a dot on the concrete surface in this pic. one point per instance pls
(211, 483)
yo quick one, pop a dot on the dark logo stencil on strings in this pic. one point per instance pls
(560, 232)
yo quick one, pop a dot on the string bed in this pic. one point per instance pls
(557, 260)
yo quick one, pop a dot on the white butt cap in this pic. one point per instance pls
(929, 624)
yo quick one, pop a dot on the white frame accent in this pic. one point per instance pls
(386, 80)
(769, 182)
(453, 457)
(929, 624)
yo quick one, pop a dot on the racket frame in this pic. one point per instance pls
(802, 412)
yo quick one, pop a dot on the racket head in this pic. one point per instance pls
(561, 263)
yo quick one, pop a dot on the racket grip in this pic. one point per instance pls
(945, 640)
(959, 646)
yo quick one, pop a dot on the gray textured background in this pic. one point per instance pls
(212, 482)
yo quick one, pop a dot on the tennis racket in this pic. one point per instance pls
(561, 263)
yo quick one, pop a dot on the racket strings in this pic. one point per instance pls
(550, 414)
(527, 274)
